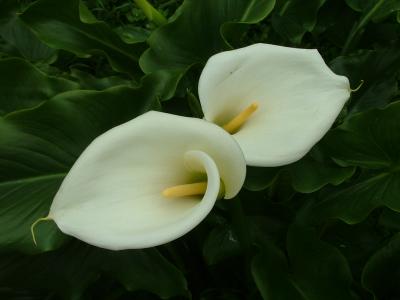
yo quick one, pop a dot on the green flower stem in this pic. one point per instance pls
(364, 20)
(151, 13)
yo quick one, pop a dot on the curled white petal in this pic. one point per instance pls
(112, 197)
(299, 99)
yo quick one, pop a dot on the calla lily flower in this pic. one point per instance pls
(148, 182)
(277, 102)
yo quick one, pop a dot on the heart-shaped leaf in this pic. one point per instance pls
(314, 270)
(309, 175)
(370, 140)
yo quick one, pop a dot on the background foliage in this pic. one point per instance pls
(326, 227)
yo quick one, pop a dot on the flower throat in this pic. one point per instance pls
(199, 188)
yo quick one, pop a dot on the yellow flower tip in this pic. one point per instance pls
(34, 225)
(184, 190)
(358, 87)
(234, 125)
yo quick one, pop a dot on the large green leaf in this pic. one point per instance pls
(18, 36)
(369, 140)
(68, 25)
(315, 171)
(296, 17)
(23, 86)
(88, 81)
(381, 274)
(69, 271)
(38, 147)
(378, 9)
(375, 10)
(308, 175)
(379, 71)
(314, 271)
(195, 34)
(357, 242)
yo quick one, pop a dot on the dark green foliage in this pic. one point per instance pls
(325, 227)
(311, 269)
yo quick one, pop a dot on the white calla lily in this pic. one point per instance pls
(118, 194)
(289, 99)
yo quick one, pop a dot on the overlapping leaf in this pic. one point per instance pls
(314, 270)
(378, 69)
(17, 35)
(375, 10)
(294, 18)
(369, 140)
(69, 271)
(381, 274)
(68, 25)
(24, 86)
(196, 32)
(306, 176)
(378, 9)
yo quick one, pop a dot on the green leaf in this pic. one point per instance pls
(271, 274)
(296, 17)
(17, 35)
(258, 179)
(151, 13)
(378, 9)
(381, 274)
(371, 9)
(195, 34)
(89, 82)
(24, 86)
(132, 34)
(63, 25)
(28, 45)
(390, 219)
(38, 147)
(357, 242)
(370, 140)
(314, 270)
(306, 176)
(69, 271)
(379, 71)
(222, 243)
(309, 175)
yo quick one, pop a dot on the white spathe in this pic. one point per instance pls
(112, 197)
(299, 98)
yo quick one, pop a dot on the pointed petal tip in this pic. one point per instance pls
(34, 225)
